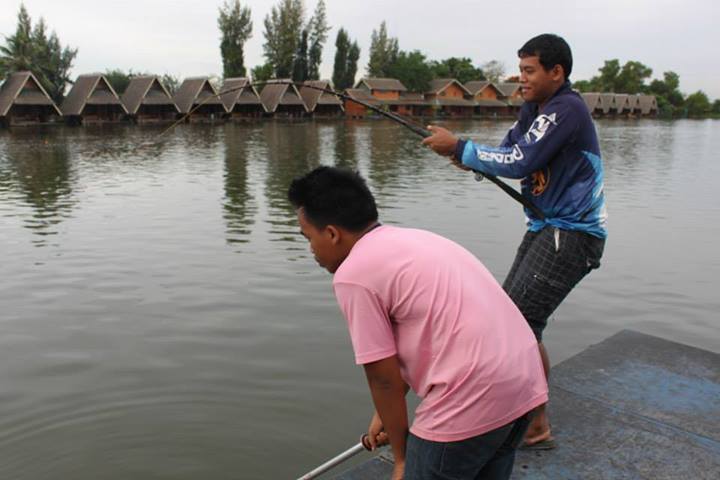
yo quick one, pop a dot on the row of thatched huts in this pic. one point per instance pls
(620, 104)
(92, 100)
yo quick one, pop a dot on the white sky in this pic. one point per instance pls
(180, 37)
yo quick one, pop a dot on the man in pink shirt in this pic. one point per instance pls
(424, 313)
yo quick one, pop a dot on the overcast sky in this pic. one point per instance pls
(181, 37)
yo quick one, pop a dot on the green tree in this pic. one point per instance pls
(118, 80)
(716, 107)
(317, 28)
(33, 50)
(352, 65)
(283, 28)
(605, 82)
(494, 70)
(583, 86)
(667, 93)
(698, 104)
(346, 58)
(170, 82)
(300, 64)
(631, 78)
(235, 27)
(383, 52)
(413, 70)
(18, 53)
(342, 47)
(263, 73)
(461, 69)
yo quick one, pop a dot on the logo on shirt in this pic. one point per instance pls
(539, 181)
(514, 156)
(539, 127)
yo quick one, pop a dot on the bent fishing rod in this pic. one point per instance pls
(419, 130)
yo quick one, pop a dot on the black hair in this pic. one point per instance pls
(334, 196)
(551, 49)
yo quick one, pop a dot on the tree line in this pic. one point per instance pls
(293, 49)
(632, 78)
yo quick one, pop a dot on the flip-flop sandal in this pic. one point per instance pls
(547, 444)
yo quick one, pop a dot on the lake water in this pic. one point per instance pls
(161, 317)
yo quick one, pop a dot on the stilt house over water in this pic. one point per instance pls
(356, 110)
(93, 100)
(646, 105)
(487, 99)
(512, 95)
(622, 105)
(199, 92)
(242, 100)
(592, 101)
(283, 99)
(450, 98)
(319, 103)
(147, 101)
(23, 101)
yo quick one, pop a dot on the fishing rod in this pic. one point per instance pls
(337, 460)
(414, 127)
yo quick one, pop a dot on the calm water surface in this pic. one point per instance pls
(161, 318)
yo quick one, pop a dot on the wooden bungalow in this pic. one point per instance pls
(511, 95)
(382, 88)
(411, 104)
(487, 99)
(319, 103)
(147, 101)
(622, 104)
(356, 110)
(242, 100)
(199, 93)
(283, 100)
(450, 98)
(93, 100)
(23, 101)
(646, 105)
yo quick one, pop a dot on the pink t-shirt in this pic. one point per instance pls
(463, 346)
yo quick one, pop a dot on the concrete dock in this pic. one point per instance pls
(631, 407)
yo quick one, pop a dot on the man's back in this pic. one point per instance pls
(463, 346)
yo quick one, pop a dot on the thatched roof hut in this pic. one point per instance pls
(647, 105)
(318, 102)
(622, 105)
(592, 100)
(511, 93)
(147, 100)
(93, 100)
(242, 99)
(607, 103)
(283, 98)
(199, 95)
(24, 101)
(440, 85)
(381, 85)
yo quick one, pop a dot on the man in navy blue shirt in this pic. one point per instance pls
(553, 148)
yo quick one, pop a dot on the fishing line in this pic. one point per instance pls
(412, 126)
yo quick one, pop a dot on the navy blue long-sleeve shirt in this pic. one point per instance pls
(557, 155)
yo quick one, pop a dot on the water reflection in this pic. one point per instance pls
(239, 205)
(294, 152)
(36, 167)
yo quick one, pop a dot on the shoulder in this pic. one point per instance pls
(570, 103)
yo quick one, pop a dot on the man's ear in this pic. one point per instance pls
(334, 233)
(558, 71)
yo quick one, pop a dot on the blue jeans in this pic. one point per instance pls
(489, 456)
